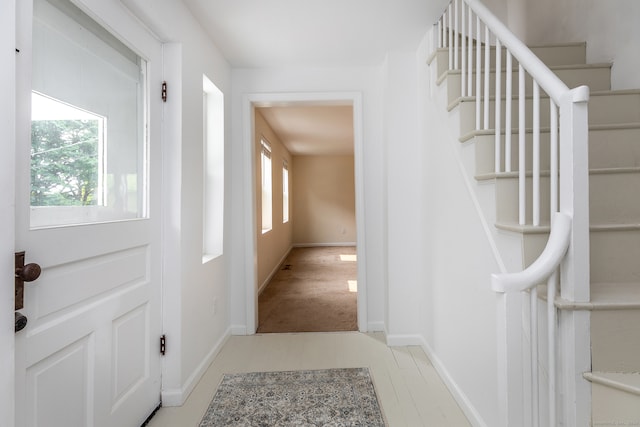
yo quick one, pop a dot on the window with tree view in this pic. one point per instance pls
(89, 112)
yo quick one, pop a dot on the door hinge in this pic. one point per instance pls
(164, 91)
(163, 344)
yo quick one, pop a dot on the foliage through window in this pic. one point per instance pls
(66, 144)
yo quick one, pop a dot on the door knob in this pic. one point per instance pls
(29, 272)
(24, 273)
(21, 321)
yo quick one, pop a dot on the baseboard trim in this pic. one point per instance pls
(177, 397)
(238, 330)
(320, 245)
(396, 340)
(375, 327)
(469, 410)
(274, 271)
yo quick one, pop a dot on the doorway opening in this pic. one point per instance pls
(316, 222)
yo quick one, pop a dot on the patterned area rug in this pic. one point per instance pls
(331, 397)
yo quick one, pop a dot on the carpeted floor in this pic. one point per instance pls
(314, 291)
(329, 397)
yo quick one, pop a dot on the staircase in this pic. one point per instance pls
(614, 182)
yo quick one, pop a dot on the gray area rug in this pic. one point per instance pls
(330, 397)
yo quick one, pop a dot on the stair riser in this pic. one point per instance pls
(615, 256)
(614, 108)
(612, 407)
(615, 340)
(611, 199)
(608, 148)
(507, 196)
(606, 206)
(603, 109)
(550, 55)
(614, 148)
(485, 153)
(597, 78)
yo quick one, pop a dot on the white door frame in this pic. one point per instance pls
(251, 255)
(7, 189)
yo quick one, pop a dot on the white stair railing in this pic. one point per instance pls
(463, 30)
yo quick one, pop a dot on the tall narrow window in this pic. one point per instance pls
(285, 192)
(265, 162)
(212, 170)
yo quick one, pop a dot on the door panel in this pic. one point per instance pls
(68, 366)
(89, 354)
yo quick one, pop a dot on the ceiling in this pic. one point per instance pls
(312, 130)
(312, 33)
(277, 33)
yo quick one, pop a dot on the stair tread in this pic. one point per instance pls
(615, 92)
(604, 296)
(544, 227)
(544, 96)
(592, 65)
(529, 130)
(626, 381)
(545, 173)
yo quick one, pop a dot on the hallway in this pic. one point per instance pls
(315, 290)
(410, 391)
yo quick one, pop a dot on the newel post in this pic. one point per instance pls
(574, 328)
(510, 358)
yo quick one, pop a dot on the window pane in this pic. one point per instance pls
(66, 154)
(266, 186)
(88, 142)
(213, 170)
(285, 193)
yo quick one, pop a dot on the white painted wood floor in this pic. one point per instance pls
(409, 389)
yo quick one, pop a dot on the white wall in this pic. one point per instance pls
(459, 323)
(196, 318)
(610, 30)
(404, 190)
(365, 80)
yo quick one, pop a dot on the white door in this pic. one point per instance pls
(88, 212)
(7, 143)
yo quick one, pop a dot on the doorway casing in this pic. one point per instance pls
(250, 101)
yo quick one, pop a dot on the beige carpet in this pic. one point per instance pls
(314, 291)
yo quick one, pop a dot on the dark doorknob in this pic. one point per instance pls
(29, 272)
(21, 321)
(24, 273)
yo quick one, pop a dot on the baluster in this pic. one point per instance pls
(536, 153)
(487, 69)
(463, 53)
(553, 159)
(456, 34)
(507, 113)
(470, 59)
(450, 15)
(498, 142)
(551, 343)
(444, 29)
(478, 71)
(535, 378)
(522, 174)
